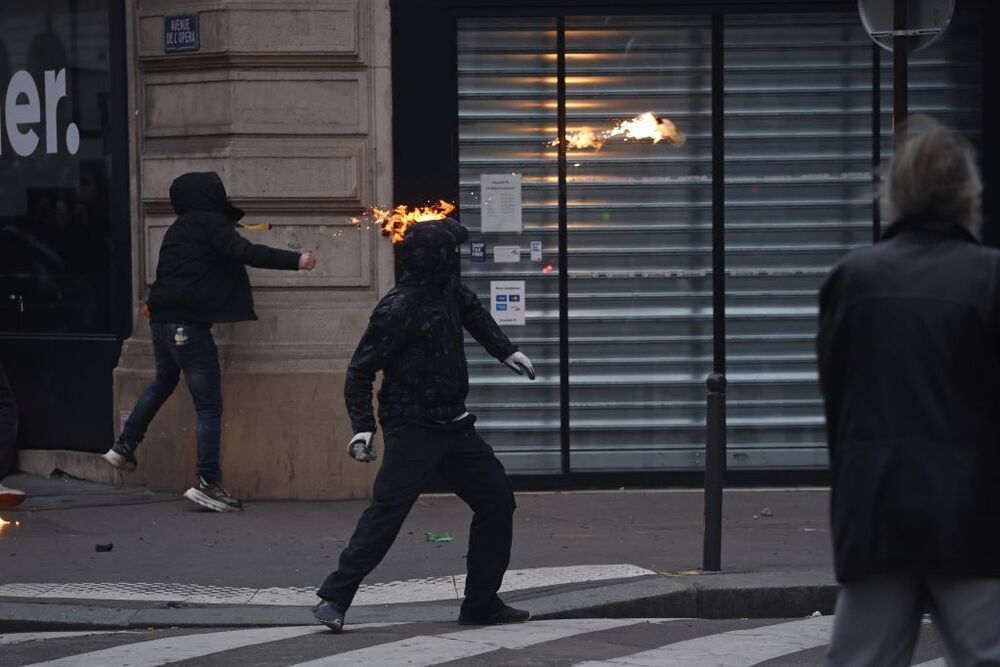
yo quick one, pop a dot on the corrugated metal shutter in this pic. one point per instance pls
(640, 252)
(507, 114)
(798, 196)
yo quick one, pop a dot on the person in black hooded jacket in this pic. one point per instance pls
(415, 338)
(201, 279)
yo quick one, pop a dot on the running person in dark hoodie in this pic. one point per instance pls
(415, 338)
(201, 278)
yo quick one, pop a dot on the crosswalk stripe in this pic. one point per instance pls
(433, 649)
(21, 637)
(737, 648)
(181, 647)
(939, 662)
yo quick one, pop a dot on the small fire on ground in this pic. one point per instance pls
(6, 524)
(645, 126)
(395, 221)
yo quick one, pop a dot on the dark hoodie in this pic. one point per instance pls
(201, 274)
(415, 335)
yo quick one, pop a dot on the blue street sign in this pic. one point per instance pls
(180, 33)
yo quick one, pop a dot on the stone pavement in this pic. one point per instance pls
(576, 554)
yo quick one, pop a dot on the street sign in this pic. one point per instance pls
(180, 33)
(926, 21)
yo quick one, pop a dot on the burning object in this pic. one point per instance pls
(395, 221)
(645, 126)
(585, 138)
(4, 525)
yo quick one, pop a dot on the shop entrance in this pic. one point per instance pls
(612, 238)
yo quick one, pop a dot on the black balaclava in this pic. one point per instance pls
(429, 253)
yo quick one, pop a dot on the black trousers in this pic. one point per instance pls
(413, 452)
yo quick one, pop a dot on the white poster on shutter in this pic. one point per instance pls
(507, 301)
(500, 195)
(536, 251)
(506, 254)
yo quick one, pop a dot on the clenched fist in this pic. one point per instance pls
(307, 261)
(361, 448)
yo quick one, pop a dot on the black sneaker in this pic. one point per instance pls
(122, 455)
(329, 615)
(213, 496)
(504, 616)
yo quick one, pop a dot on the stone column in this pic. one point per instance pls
(290, 102)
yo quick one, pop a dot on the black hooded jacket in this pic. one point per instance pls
(415, 336)
(201, 275)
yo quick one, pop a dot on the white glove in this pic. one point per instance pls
(520, 364)
(361, 448)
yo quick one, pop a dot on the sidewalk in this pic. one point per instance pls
(259, 567)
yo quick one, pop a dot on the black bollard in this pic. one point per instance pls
(715, 470)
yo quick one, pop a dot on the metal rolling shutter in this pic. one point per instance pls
(507, 114)
(640, 219)
(798, 196)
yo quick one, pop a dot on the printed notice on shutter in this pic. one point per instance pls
(500, 195)
(507, 302)
(506, 254)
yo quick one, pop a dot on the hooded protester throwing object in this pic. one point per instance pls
(415, 337)
(201, 279)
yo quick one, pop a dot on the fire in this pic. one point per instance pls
(648, 126)
(585, 138)
(394, 222)
(4, 524)
(645, 126)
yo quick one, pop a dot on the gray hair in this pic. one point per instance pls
(933, 174)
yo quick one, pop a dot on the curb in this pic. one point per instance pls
(716, 596)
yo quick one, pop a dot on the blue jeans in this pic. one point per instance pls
(198, 357)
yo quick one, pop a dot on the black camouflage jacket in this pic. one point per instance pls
(415, 336)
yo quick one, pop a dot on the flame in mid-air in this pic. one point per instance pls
(644, 126)
(5, 524)
(648, 126)
(585, 138)
(395, 221)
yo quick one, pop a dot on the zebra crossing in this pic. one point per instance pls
(631, 642)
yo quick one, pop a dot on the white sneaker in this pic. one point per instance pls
(121, 456)
(11, 497)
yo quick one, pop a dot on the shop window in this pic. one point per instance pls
(55, 164)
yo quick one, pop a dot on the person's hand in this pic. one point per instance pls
(361, 448)
(520, 364)
(307, 261)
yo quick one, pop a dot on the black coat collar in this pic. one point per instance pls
(927, 224)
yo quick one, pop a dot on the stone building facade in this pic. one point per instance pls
(290, 102)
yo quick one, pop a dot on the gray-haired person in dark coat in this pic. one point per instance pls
(909, 361)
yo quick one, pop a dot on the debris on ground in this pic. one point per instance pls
(439, 537)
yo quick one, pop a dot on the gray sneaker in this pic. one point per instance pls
(122, 456)
(213, 496)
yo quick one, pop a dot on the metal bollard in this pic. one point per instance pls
(715, 470)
